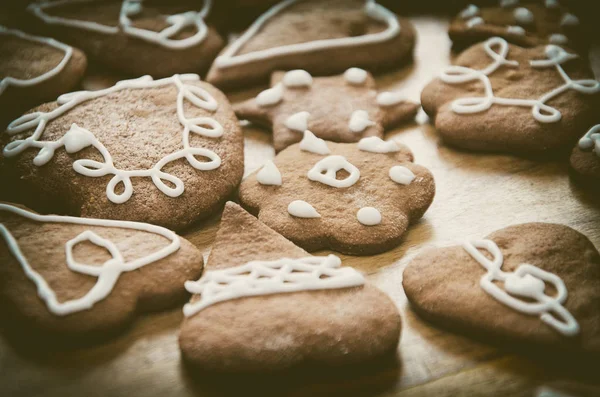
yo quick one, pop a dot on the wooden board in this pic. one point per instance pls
(476, 194)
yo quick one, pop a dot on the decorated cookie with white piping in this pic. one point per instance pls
(34, 70)
(534, 285)
(321, 37)
(585, 159)
(343, 108)
(135, 37)
(264, 304)
(525, 23)
(354, 198)
(499, 97)
(166, 151)
(79, 279)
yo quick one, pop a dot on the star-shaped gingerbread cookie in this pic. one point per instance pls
(354, 198)
(342, 108)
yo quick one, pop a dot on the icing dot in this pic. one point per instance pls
(474, 22)
(297, 78)
(508, 3)
(388, 98)
(552, 3)
(469, 12)
(270, 97)
(359, 121)
(515, 30)
(523, 15)
(297, 121)
(401, 175)
(369, 216)
(301, 209)
(569, 20)
(377, 145)
(355, 76)
(310, 143)
(558, 38)
(269, 175)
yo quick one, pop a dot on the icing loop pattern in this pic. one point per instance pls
(129, 8)
(591, 140)
(107, 274)
(78, 138)
(325, 171)
(542, 112)
(528, 282)
(259, 278)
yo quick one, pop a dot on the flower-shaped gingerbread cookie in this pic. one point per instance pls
(355, 198)
(502, 97)
(343, 108)
(585, 159)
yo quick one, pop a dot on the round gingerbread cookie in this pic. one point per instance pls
(135, 37)
(585, 159)
(165, 151)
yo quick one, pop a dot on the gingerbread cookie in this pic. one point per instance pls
(354, 198)
(524, 23)
(80, 278)
(341, 108)
(535, 284)
(135, 37)
(166, 152)
(321, 37)
(585, 159)
(34, 70)
(504, 98)
(265, 304)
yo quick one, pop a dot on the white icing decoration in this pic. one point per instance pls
(298, 121)
(8, 81)
(469, 12)
(355, 76)
(326, 169)
(369, 216)
(523, 16)
(107, 274)
(474, 22)
(78, 138)
(375, 144)
(297, 78)
(528, 282)
(515, 30)
(269, 175)
(508, 3)
(591, 140)
(270, 97)
(552, 3)
(388, 98)
(569, 20)
(359, 121)
(177, 23)
(301, 209)
(401, 175)
(558, 38)
(372, 9)
(542, 112)
(310, 143)
(258, 278)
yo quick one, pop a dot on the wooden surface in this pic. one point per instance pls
(476, 194)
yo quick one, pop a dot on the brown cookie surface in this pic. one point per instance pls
(155, 262)
(165, 151)
(500, 97)
(368, 213)
(34, 70)
(445, 286)
(341, 108)
(585, 159)
(154, 37)
(280, 331)
(322, 37)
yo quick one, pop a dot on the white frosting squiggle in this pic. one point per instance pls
(372, 9)
(8, 81)
(591, 140)
(325, 171)
(107, 275)
(78, 138)
(177, 23)
(259, 278)
(527, 281)
(542, 112)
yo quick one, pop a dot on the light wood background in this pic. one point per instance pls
(476, 194)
